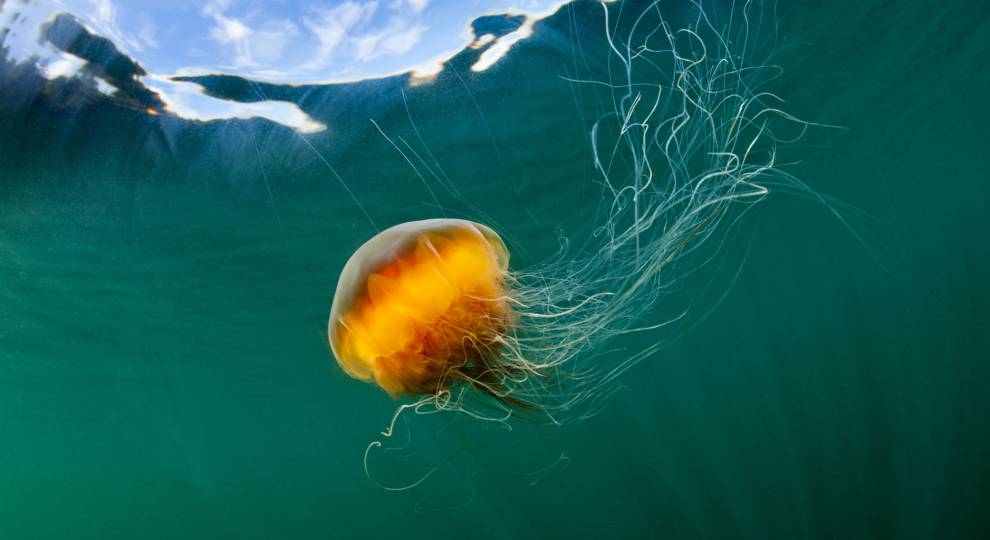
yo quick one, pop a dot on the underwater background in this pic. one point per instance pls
(165, 284)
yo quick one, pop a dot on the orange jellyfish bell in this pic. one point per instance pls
(421, 305)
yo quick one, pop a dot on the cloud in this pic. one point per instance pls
(106, 12)
(395, 39)
(216, 7)
(230, 32)
(402, 42)
(147, 33)
(347, 26)
(416, 6)
(332, 26)
(269, 42)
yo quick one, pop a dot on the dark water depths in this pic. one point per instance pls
(164, 288)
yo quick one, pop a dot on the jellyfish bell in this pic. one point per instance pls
(421, 306)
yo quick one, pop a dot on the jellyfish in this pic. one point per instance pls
(434, 311)
(421, 306)
(426, 307)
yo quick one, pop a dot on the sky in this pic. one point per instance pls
(277, 41)
(294, 41)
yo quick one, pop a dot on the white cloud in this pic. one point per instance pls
(147, 33)
(270, 40)
(106, 12)
(230, 32)
(395, 39)
(332, 27)
(216, 7)
(416, 6)
(402, 42)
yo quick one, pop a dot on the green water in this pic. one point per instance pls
(164, 288)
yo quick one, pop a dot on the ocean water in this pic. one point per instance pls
(165, 284)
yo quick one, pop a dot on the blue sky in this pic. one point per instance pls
(279, 41)
(273, 40)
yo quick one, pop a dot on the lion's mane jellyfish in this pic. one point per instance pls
(421, 306)
(432, 309)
